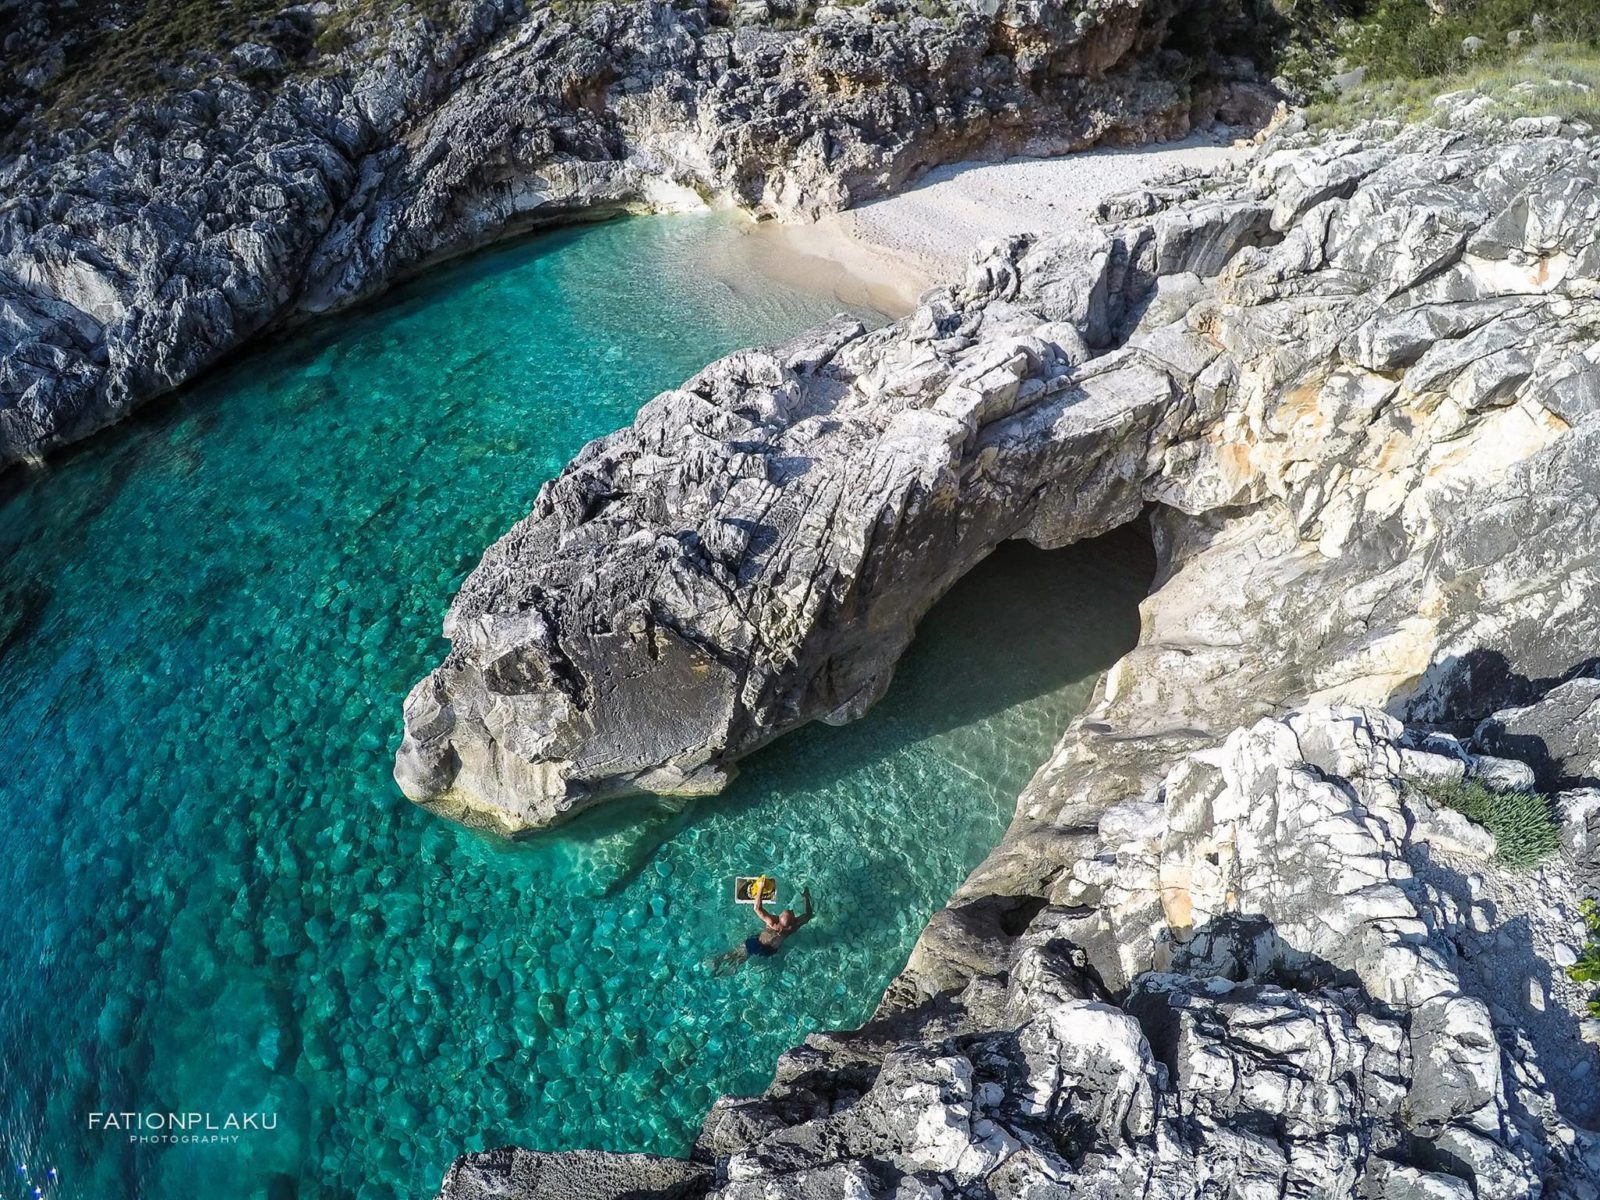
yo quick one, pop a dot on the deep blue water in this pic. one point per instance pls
(218, 901)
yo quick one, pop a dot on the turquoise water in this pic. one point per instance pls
(218, 901)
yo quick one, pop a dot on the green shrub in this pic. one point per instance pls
(1587, 968)
(1524, 828)
(136, 57)
(1560, 80)
(136, 50)
(1406, 39)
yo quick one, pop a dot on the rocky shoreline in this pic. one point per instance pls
(336, 150)
(1227, 942)
(1259, 980)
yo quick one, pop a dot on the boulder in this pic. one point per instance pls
(1502, 774)
(1559, 735)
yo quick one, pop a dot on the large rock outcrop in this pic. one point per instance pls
(338, 147)
(1221, 950)
(758, 546)
(1384, 329)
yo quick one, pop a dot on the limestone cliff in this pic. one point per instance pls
(1227, 946)
(1384, 328)
(159, 212)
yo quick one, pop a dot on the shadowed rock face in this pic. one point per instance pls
(141, 240)
(1220, 950)
(1559, 736)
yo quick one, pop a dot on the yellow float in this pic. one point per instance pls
(747, 887)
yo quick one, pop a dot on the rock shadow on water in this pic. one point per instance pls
(1024, 624)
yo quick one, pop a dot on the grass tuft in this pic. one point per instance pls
(1524, 828)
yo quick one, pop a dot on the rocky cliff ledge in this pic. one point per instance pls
(336, 147)
(1355, 389)
(1274, 975)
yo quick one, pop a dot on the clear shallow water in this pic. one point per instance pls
(217, 900)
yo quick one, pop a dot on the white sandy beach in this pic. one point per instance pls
(885, 254)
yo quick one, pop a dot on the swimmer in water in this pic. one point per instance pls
(765, 944)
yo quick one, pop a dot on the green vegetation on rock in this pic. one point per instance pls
(135, 49)
(129, 50)
(1408, 39)
(1524, 828)
(1561, 80)
(1363, 59)
(1587, 968)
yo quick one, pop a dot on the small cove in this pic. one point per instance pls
(220, 903)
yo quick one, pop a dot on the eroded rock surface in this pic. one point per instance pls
(143, 236)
